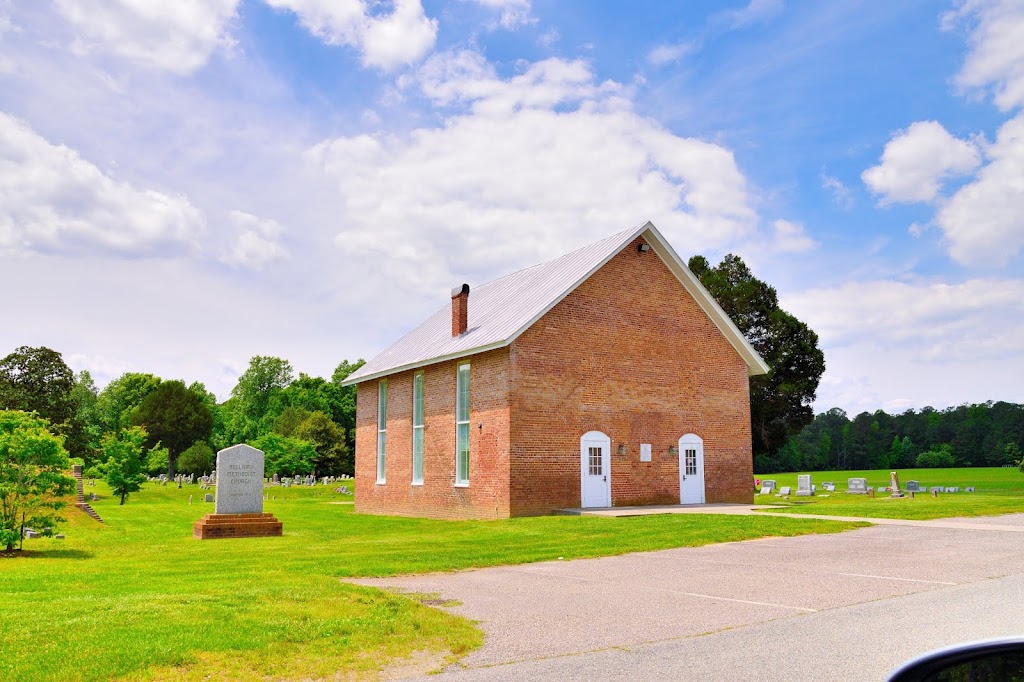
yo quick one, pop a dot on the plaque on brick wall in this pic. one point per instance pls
(645, 452)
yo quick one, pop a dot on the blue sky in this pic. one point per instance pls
(185, 185)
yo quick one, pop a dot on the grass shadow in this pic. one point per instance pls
(46, 554)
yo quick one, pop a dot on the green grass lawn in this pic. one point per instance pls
(999, 491)
(139, 598)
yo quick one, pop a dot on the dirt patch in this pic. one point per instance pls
(418, 664)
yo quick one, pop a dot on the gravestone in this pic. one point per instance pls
(857, 486)
(969, 489)
(881, 489)
(769, 483)
(803, 486)
(829, 487)
(894, 484)
(936, 489)
(208, 497)
(276, 479)
(953, 489)
(913, 487)
(783, 491)
(765, 490)
(238, 505)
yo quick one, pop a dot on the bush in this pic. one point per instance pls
(198, 459)
(939, 457)
(285, 456)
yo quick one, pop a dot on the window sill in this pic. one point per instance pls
(462, 485)
(417, 484)
(380, 482)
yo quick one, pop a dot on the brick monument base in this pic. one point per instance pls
(236, 526)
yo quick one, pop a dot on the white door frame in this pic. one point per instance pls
(586, 440)
(691, 441)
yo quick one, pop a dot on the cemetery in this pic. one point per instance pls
(926, 493)
(145, 598)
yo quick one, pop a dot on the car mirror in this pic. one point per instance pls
(998, 660)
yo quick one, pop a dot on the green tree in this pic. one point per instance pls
(156, 460)
(290, 419)
(285, 456)
(939, 457)
(780, 401)
(344, 411)
(259, 395)
(33, 475)
(121, 396)
(197, 459)
(86, 397)
(174, 417)
(122, 469)
(332, 454)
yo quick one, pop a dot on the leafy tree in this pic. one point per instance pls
(174, 417)
(86, 398)
(119, 399)
(156, 460)
(780, 401)
(285, 456)
(122, 469)
(328, 439)
(33, 475)
(939, 457)
(197, 459)
(344, 412)
(259, 395)
(290, 420)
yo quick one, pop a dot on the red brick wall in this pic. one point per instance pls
(487, 494)
(631, 354)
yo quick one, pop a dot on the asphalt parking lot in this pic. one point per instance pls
(683, 612)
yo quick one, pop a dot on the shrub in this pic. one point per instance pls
(156, 461)
(939, 457)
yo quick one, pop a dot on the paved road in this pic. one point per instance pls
(848, 606)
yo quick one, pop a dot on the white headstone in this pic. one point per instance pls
(769, 483)
(803, 486)
(783, 491)
(913, 486)
(239, 480)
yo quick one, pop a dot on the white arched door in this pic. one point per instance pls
(595, 470)
(691, 469)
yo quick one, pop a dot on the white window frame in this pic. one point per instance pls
(461, 477)
(382, 431)
(418, 389)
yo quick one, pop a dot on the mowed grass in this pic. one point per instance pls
(139, 598)
(998, 491)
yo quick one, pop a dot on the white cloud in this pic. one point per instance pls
(790, 238)
(995, 63)
(666, 54)
(755, 11)
(51, 199)
(386, 41)
(176, 36)
(256, 242)
(917, 160)
(921, 342)
(514, 13)
(524, 167)
(984, 221)
(841, 194)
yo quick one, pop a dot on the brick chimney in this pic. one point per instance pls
(460, 309)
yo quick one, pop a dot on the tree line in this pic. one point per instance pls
(304, 424)
(986, 434)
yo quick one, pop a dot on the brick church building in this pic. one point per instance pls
(606, 377)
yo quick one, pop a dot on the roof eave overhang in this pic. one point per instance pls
(351, 381)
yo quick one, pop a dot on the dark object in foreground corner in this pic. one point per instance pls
(993, 660)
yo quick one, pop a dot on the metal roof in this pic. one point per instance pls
(501, 310)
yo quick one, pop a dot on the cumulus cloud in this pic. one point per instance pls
(53, 200)
(984, 221)
(917, 160)
(790, 238)
(402, 36)
(174, 36)
(522, 168)
(514, 13)
(995, 62)
(256, 241)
